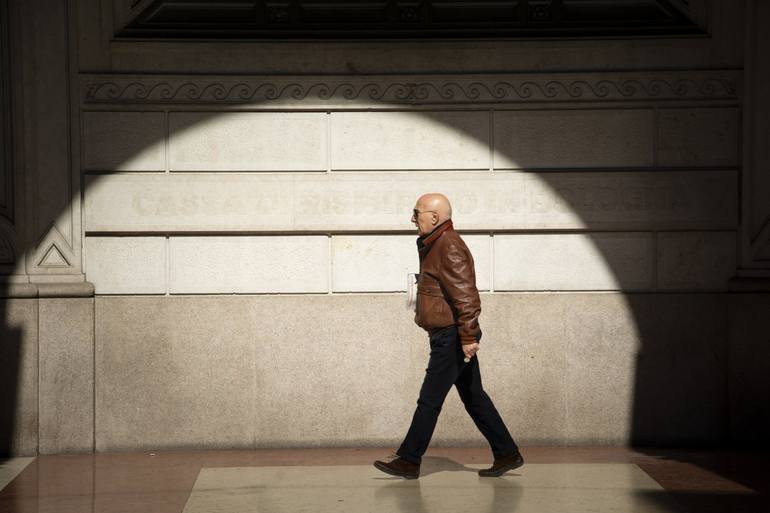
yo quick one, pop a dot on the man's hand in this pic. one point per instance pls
(470, 349)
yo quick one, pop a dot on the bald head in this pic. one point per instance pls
(437, 202)
(434, 209)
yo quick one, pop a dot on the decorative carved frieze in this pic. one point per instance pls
(410, 89)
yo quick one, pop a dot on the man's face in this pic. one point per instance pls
(423, 219)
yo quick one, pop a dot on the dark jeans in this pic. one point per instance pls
(446, 368)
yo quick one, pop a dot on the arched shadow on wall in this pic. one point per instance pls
(680, 388)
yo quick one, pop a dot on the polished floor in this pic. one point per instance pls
(553, 480)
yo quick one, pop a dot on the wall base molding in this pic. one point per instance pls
(750, 283)
(47, 290)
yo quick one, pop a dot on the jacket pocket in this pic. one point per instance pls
(433, 311)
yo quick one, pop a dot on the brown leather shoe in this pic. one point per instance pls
(399, 467)
(503, 465)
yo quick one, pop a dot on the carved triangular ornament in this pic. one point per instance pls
(53, 258)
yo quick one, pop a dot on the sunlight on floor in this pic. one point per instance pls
(572, 487)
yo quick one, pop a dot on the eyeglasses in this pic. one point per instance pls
(416, 212)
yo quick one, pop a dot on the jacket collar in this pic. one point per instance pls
(427, 240)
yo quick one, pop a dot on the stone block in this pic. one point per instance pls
(380, 263)
(175, 372)
(384, 201)
(410, 140)
(198, 202)
(749, 357)
(373, 263)
(124, 141)
(19, 378)
(696, 260)
(246, 264)
(266, 371)
(573, 138)
(66, 376)
(605, 368)
(247, 141)
(600, 347)
(480, 247)
(336, 370)
(522, 364)
(126, 265)
(597, 261)
(699, 137)
(680, 387)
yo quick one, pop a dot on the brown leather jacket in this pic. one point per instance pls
(446, 285)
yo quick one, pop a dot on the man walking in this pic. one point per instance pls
(448, 308)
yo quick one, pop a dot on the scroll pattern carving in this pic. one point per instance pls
(493, 88)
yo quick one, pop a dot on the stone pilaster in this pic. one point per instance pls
(754, 267)
(46, 349)
(10, 121)
(52, 246)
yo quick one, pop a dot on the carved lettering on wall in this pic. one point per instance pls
(345, 201)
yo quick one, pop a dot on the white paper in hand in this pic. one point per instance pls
(411, 291)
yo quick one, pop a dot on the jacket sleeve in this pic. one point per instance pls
(458, 279)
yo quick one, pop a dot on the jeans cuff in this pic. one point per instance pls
(410, 459)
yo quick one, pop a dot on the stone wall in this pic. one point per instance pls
(303, 194)
(245, 225)
(246, 198)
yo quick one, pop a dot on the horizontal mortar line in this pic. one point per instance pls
(208, 107)
(295, 293)
(92, 172)
(401, 293)
(479, 231)
(695, 230)
(273, 172)
(401, 170)
(194, 294)
(614, 169)
(313, 172)
(620, 104)
(98, 73)
(326, 233)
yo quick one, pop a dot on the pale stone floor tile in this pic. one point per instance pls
(535, 488)
(12, 467)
